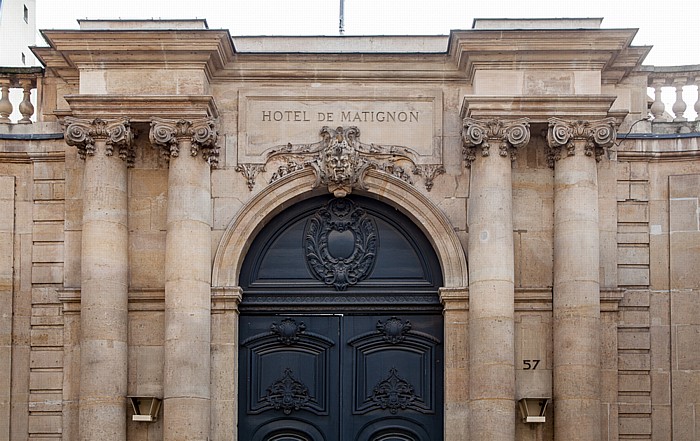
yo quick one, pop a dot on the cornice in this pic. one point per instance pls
(141, 108)
(209, 49)
(605, 50)
(539, 108)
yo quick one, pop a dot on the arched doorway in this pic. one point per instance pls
(341, 331)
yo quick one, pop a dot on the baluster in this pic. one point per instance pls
(25, 107)
(697, 103)
(679, 106)
(5, 104)
(658, 107)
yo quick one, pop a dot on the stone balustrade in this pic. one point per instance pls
(685, 80)
(24, 78)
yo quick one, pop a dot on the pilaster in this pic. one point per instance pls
(104, 274)
(575, 146)
(191, 147)
(489, 148)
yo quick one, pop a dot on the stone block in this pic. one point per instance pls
(684, 186)
(49, 211)
(47, 273)
(46, 380)
(639, 191)
(147, 259)
(146, 370)
(661, 426)
(455, 208)
(634, 383)
(640, 425)
(623, 191)
(660, 388)
(632, 212)
(639, 171)
(659, 262)
(224, 211)
(43, 191)
(49, 170)
(634, 361)
(45, 359)
(139, 214)
(148, 183)
(636, 298)
(684, 215)
(633, 339)
(635, 255)
(685, 260)
(74, 214)
(146, 328)
(48, 232)
(633, 276)
(687, 347)
(49, 336)
(622, 170)
(71, 256)
(45, 402)
(635, 404)
(685, 308)
(47, 252)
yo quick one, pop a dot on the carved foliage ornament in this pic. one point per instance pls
(479, 134)
(597, 136)
(340, 161)
(84, 133)
(287, 393)
(394, 393)
(167, 134)
(340, 244)
(394, 329)
(287, 331)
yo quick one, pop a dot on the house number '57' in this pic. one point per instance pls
(530, 364)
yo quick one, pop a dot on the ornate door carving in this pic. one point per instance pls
(340, 328)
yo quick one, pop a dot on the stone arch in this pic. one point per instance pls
(245, 226)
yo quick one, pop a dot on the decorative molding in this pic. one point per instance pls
(168, 134)
(287, 393)
(340, 161)
(394, 393)
(249, 172)
(340, 217)
(563, 134)
(287, 331)
(84, 133)
(481, 133)
(394, 330)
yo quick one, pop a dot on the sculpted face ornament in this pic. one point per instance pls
(341, 161)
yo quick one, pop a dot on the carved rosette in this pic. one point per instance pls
(287, 393)
(84, 133)
(394, 393)
(480, 134)
(340, 244)
(562, 136)
(167, 135)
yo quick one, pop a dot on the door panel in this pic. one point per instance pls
(341, 378)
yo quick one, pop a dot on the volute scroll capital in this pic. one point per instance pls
(168, 134)
(595, 136)
(84, 133)
(480, 134)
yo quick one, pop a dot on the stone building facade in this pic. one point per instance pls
(484, 236)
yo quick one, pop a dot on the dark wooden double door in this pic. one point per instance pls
(341, 377)
(340, 327)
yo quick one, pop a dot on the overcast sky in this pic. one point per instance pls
(671, 26)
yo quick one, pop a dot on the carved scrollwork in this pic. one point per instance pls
(340, 160)
(287, 393)
(83, 133)
(340, 244)
(394, 329)
(510, 136)
(167, 134)
(287, 331)
(596, 135)
(394, 393)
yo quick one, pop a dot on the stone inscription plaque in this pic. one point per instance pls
(269, 118)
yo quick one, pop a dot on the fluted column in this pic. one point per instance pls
(489, 148)
(575, 146)
(190, 145)
(104, 275)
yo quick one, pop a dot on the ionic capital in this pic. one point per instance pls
(168, 134)
(595, 136)
(84, 133)
(509, 135)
